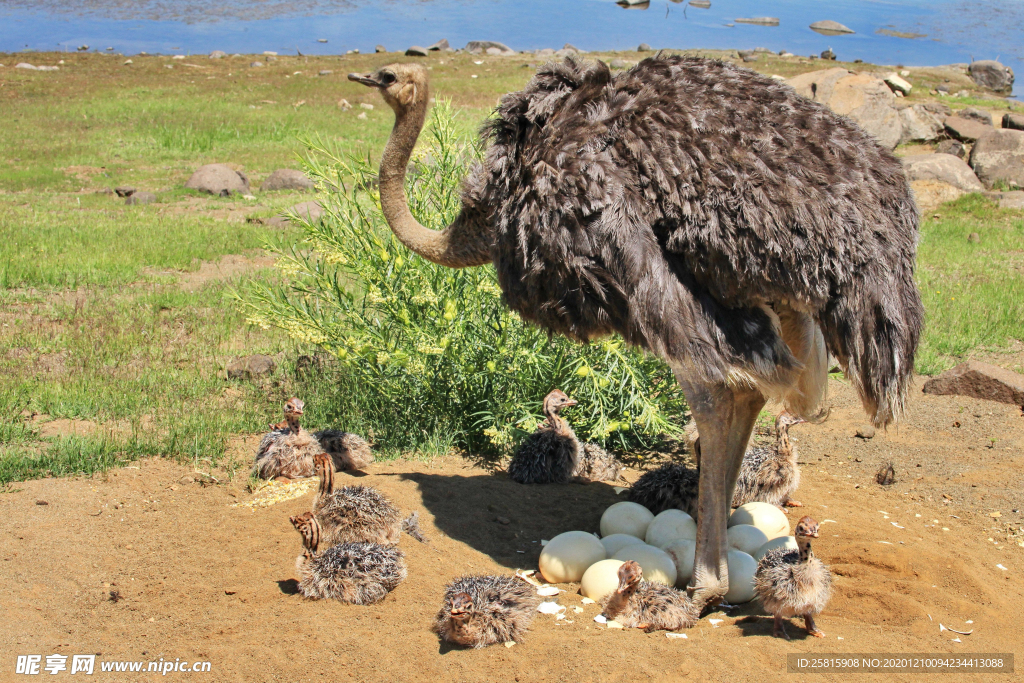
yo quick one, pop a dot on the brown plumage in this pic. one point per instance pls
(356, 573)
(673, 485)
(651, 606)
(770, 474)
(706, 213)
(352, 513)
(596, 464)
(483, 610)
(288, 450)
(349, 451)
(794, 583)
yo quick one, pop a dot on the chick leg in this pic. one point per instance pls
(811, 628)
(780, 628)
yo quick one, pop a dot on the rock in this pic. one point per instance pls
(998, 157)
(256, 64)
(759, 21)
(965, 130)
(1011, 200)
(990, 74)
(618, 64)
(763, 51)
(978, 115)
(944, 168)
(502, 520)
(954, 147)
(979, 380)
(545, 52)
(218, 179)
(379, 49)
(920, 124)
(362, 115)
(416, 51)
(140, 198)
(631, 4)
(344, 104)
(750, 57)
(974, 238)
(828, 54)
(26, 66)
(287, 179)
(124, 191)
(439, 45)
(308, 211)
(324, 72)
(862, 97)
(251, 366)
(700, 4)
(643, 47)
(479, 47)
(366, 105)
(218, 54)
(830, 28)
(321, 40)
(897, 84)
(186, 480)
(1013, 121)
(866, 432)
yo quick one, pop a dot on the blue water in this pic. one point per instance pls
(955, 30)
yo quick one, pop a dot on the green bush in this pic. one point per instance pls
(430, 356)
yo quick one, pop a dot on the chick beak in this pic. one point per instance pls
(570, 403)
(365, 79)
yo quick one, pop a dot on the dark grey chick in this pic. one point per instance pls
(651, 606)
(551, 454)
(483, 610)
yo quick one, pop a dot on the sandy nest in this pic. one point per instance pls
(200, 577)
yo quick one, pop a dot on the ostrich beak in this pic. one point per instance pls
(365, 79)
(570, 402)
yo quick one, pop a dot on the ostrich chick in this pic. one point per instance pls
(483, 610)
(596, 464)
(349, 451)
(769, 474)
(352, 513)
(356, 573)
(651, 606)
(288, 450)
(794, 583)
(672, 485)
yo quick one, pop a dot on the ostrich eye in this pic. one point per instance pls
(387, 78)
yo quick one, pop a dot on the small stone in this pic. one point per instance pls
(952, 147)
(362, 115)
(897, 84)
(416, 51)
(979, 380)
(41, 502)
(750, 58)
(965, 130)
(866, 432)
(976, 115)
(886, 475)
(830, 28)
(618, 64)
(380, 49)
(701, 4)
(256, 64)
(974, 237)
(324, 72)
(128, 61)
(643, 47)
(124, 191)
(344, 104)
(502, 520)
(218, 179)
(139, 198)
(439, 45)
(828, 54)
(287, 179)
(218, 54)
(321, 40)
(1013, 121)
(479, 47)
(366, 105)
(186, 480)
(759, 21)
(249, 367)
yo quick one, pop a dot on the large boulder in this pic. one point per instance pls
(830, 28)
(939, 178)
(921, 123)
(287, 179)
(1014, 121)
(990, 74)
(218, 179)
(998, 157)
(479, 47)
(1011, 200)
(979, 115)
(308, 211)
(979, 380)
(862, 97)
(965, 130)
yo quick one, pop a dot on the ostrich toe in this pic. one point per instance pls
(793, 504)
(811, 628)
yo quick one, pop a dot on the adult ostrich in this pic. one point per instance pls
(707, 214)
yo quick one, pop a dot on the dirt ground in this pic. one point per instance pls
(199, 579)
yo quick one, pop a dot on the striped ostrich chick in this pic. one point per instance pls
(595, 464)
(355, 573)
(288, 450)
(483, 610)
(769, 474)
(352, 513)
(794, 583)
(651, 606)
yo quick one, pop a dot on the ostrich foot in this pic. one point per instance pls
(780, 629)
(793, 504)
(811, 628)
(703, 597)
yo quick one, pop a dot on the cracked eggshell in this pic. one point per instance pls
(741, 577)
(656, 564)
(766, 517)
(788, 542)
(670, 525)
(567, 556)
(616, 542)
(682, 551)
(746, 538)
(600, 579)
(626, 518)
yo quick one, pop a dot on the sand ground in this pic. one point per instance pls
(200, 579)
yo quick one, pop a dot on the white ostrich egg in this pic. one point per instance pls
(616, 542)
(626, 518)
(670, 525)
(600, 579)
(568, 555)
(766, 517)
(746, 538)
(655, 562)
(787, 542)
(741, 577)
(682, 551)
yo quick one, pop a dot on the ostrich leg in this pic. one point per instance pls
(725, 417)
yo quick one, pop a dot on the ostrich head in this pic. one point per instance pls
(553, 405)
(806, 529)
(630, 575)
(323, 466)
(308, 528)
(782, 424)
(464, 243)
(461, 608)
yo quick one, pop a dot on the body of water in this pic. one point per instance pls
(948, 31)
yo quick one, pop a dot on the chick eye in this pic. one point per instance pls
(387, 78)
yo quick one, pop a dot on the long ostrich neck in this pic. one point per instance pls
(312, 540)
(327, 480)
(293, 422)
(782, 444)
(554, 421)
(804, 544)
